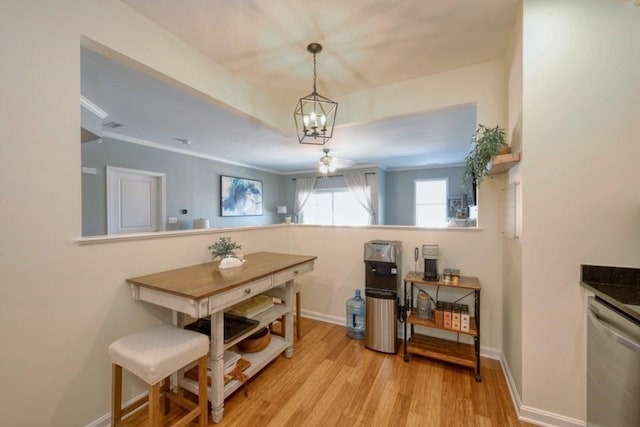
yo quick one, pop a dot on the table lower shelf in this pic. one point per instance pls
(442, 349)
(257, 360)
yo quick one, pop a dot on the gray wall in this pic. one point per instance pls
(193, 183)
(399, 190)
(395, 190)
(381, 179)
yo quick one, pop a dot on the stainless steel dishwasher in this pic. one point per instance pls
(613, 366)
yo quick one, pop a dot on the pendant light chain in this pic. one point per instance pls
(314, 73)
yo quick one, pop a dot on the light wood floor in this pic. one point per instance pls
(335, 381)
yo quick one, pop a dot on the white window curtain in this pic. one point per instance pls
(357, 184)
(304, 187)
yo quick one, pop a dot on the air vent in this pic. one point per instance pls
(112, 125)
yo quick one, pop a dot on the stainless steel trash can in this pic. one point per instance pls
(381, 330)
(382, 279)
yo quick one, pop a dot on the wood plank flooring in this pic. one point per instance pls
(333, 380)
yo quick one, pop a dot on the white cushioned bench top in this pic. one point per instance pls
(155, 353)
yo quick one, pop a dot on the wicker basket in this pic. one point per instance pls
(256, 342)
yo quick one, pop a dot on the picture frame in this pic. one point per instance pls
(470, 200)
(456, 203)
(240, 196)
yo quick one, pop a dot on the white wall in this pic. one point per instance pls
(62, 304)
(581, 144)
(340, 268)
(512, 253)
(481, 84)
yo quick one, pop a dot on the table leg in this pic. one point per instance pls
(288, 319)
(477, 337)
(174, 379)
(298, 315)
(217, 373)
(405, 315)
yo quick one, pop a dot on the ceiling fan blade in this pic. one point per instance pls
(329, 163)
(342, 163)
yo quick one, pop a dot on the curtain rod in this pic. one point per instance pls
(336, 176)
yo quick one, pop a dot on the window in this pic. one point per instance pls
(431, 203)
(334, 207)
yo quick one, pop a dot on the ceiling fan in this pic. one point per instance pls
(329, 164)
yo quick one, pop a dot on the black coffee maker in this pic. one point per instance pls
(430, 255)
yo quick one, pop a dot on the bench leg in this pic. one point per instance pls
(154, 405)
(116, 394)
(165, 401)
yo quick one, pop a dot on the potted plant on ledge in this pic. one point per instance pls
(487, 143)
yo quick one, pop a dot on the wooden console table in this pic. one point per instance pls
(206, 290)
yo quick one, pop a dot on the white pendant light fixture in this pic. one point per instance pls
(315, 115)
(326, 164)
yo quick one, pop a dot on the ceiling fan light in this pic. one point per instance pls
(326, 164)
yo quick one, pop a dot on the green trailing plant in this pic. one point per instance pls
(224, 247)
(487, 143)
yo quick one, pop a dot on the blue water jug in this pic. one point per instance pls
(355, 316)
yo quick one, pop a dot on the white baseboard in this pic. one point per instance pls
(527, 414)
(547, 419)
(534, 415)
(336, 320)
(105, 420)
(511, 384)
(490, 353)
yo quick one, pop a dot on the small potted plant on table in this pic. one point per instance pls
(225, 249)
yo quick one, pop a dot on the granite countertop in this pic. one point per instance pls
(619, 286)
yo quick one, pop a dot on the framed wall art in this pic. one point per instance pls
(456, 204)
(240, 196)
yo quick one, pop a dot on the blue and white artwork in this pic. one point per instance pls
(240, 196)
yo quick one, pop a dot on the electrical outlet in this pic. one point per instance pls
(173, 220)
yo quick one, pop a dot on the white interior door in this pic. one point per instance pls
(135, 201)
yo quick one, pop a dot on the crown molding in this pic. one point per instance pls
(84, 102)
